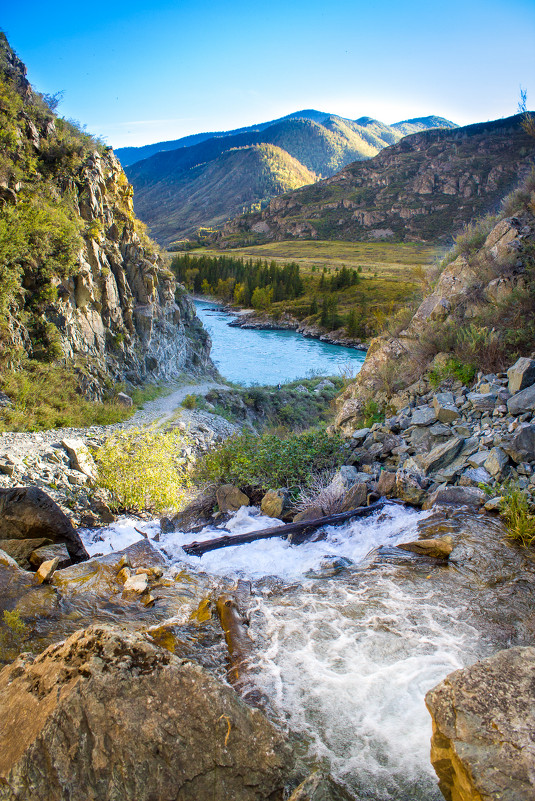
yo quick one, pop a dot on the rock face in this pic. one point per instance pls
(482, 744)
(109, 715)
(27, 513)
(116, 311)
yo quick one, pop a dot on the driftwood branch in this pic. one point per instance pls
(298, 532)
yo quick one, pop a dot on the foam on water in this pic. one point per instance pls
(346, 661)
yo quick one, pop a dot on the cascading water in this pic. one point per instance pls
(346, 645)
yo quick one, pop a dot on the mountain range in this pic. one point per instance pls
(195, 181)
(425, 188)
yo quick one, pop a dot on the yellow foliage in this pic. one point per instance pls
(144, 470)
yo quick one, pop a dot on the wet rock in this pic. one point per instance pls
(455, 496)
(135, 585)
(275, 503)
(29, 513)
(46, 570)
(109, 714)
(7, 561)
(523, 401)
(48, 552)
(230, 498)
(521, 375)
(440, 548)
(482, 744)
(320, 786)
(494, 504)
(21, 550)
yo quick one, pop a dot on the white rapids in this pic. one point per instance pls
(345, 658)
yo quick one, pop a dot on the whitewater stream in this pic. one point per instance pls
(349, 632)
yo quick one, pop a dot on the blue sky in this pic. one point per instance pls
(136, 73)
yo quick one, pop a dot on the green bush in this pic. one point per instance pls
(453, 368)
(189, 402)
(144, 470)
(271, 461)
(13, 633)
(517, 513)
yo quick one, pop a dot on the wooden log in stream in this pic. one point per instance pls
(299, 532)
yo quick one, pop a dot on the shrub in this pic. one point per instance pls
(12, 634)
(272, 461)
(453, 368)
(144, 470)
(517, 514)
(189, 402)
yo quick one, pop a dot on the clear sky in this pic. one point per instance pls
(137, 72)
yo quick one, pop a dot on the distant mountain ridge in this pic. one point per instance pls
(131, 155)
(423, 189)
(313, 148)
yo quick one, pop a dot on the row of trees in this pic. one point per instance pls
(246, 282)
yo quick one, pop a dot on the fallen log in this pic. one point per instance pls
(299, 532)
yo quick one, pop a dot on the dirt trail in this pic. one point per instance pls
(162, 409)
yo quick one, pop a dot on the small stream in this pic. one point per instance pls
(350, 633)
(248, 357)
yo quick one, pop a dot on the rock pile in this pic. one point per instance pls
(446, 444)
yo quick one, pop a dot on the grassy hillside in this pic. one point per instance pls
(391, 278)
(206, 195)
(321, 147)
(424, 188)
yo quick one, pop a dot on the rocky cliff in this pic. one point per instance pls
(81, 281)
(424, 188)
(478, 317)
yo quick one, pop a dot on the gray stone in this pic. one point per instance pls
(478, 459)
(496, 462)
(445, 408)
(523, 401)
(409, 488)
(442, 455)
(440, 430)
(494, 504)
(423, 416)
(320, 787)
(482, 402)
(521, 375)
(156, 726)
(80, 457)
(354, 497)
(124, 400)
(482, 744)
(474, 476)
(456, 496)
(522, 446)
(360, 435)
(47, 552)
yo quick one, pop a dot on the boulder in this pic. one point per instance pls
(124, 400)
(496, 462)
(80, 457)
(522, 446)
(29, 513)
(456, 496)
(445, 409)
(523, 401)
(482, 401)
(46, 570)
(482, 743)
(107, 714)
(320, 786)
(423, 416)
(354, 497)
(521, 375)
(386, 485)
(409, 488)
(442, 455)
(21, 550)
(275, 503)
(230, 498)
(439, 548)
(47, 552)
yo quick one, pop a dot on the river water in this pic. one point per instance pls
(248, 357)
(350, 633)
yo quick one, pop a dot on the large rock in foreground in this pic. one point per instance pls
(28, 513)
(483, 744)
(108, 715)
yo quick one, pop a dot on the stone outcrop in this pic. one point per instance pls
(482, 745)
(107, 714)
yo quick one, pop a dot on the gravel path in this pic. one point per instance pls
(162, 409)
